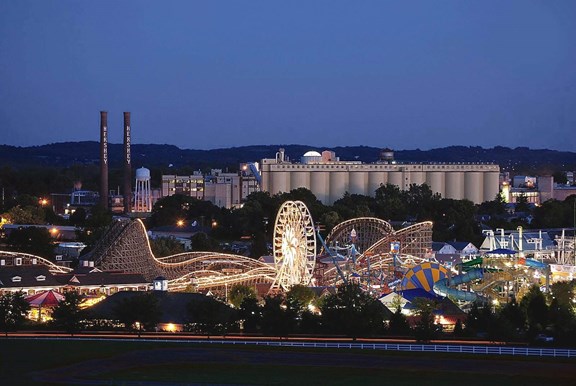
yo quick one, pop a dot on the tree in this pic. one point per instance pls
(250, 314)
(480, 320)
(398, 324)
(238, 293)
(535, 309)
(353, 312)
(421, 201)
(354, 205)
(315, 206)
(299, 297)
(425, 329)
(330, 219)
(68, 314)
(165, 246)
(202, 242)
(458, 329)
(33, 240)
(522, 204)
(210, 316)
(139, 311)
(78, 218)
(276, 318)
(390, 203)
(13, 310)
(259, 245)
(510, 321)
(30, 214)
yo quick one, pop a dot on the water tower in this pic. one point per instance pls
(142, 195)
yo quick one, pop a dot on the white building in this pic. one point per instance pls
(330, 179)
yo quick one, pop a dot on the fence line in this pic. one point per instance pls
(441, 348)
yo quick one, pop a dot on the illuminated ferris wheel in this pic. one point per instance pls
(294, 245)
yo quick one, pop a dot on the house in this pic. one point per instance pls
(32, 279)
(464, 248)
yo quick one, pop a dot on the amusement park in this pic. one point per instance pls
(395, 268)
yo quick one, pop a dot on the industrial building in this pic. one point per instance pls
(329, 178)
(227, 190)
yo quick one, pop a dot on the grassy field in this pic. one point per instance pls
(24, 362)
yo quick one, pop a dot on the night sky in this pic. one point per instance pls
(215, 74)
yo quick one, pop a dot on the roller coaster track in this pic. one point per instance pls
(415, 242)
(126, 247)
(26, 259)
(368, 230)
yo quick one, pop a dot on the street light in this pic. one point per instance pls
(180, 223)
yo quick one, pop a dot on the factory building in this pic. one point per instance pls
(329, 178)
(223, 189)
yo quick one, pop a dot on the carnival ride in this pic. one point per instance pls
(493, 277)
(126, 247)
(365, 250)
(361, 249)
(294, 245)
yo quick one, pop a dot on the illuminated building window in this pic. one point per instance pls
(16, 279)
(18, 261)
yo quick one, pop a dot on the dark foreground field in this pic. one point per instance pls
(24, 362)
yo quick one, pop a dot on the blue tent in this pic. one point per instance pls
(502, 251)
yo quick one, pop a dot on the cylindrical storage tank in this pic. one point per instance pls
(376, 178)
(300, 179)
(417, 177)
(491, 185)
(338, 185)
(265, 176)
(358, 182)
(473, 187)
(280, 181)
(436, 182)
(395, 178)
(319, 185)
(455, 185)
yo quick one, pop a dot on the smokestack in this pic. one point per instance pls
(104, 159)
(127, 165)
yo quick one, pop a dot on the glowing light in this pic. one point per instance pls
(180, 223)
(171, 327)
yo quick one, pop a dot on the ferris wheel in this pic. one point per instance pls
(294, 245)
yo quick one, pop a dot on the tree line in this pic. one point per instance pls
(347, 311)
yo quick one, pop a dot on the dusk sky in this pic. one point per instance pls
(215, 74)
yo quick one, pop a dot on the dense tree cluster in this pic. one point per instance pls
(348, 311)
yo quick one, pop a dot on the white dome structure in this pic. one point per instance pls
(311, 157)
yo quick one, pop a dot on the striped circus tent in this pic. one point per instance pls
(45, 299)
(423, 276)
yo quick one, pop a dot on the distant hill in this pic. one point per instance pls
(520, 159)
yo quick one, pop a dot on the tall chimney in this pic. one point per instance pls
(127, 165)
(104, 159)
